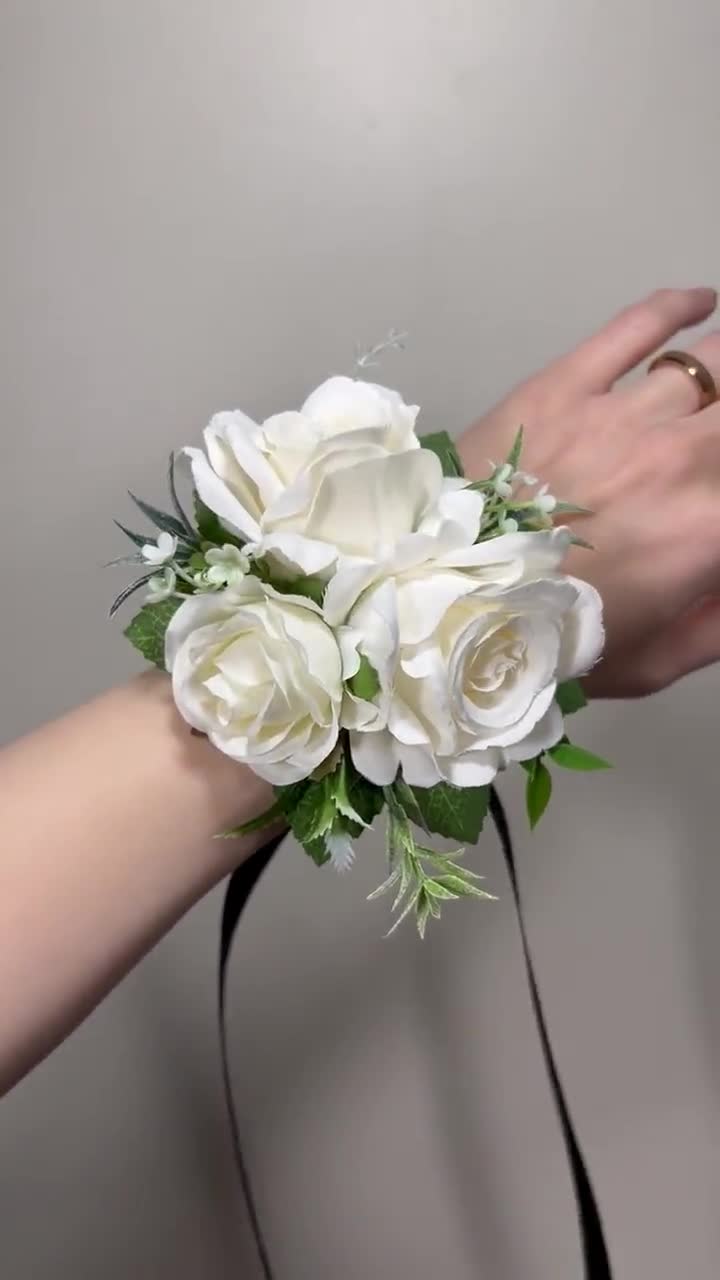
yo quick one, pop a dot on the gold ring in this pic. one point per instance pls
(695, 369)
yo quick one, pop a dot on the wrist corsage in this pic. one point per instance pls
(368, 630)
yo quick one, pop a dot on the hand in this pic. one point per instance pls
(645, 459)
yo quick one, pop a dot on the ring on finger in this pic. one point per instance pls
(695, 369)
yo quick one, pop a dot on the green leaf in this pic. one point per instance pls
(570, 697)
(537, 792)
(337, 782)
(515, 453)
(441, 444)
(568, 756)
(140, 539)
(209, 527)
(147, 630)
(364, 796)
(177, 505)
(255, 824)
(161, 519)
(127, 592)
(569, 509)
(460, 887)
(317, 850)
(437, 890)
(312, 588)
(456, 812)
(406, 799)
(365, 683)
(311, 816)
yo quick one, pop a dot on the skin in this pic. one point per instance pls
(109, 815)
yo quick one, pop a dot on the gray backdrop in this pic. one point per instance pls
(204, 205)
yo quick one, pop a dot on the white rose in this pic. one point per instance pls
(260, 673)
(281, 485)
(468, 650)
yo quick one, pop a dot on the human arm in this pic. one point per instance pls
(646, 462)
(107, 819)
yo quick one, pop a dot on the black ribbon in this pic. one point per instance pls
(240, 886)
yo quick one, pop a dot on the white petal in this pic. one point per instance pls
(424, 599)
(374, 503)
(583, 635)
(548, 730)
(419, 766)
(472, 768)
(352, 578)
(215, 494)
(374, 756)
(296, 555)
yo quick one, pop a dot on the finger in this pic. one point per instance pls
(670, 391)
(691, 643)
(635, 334)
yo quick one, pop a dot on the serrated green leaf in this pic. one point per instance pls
(455, 812)
(311, 817)
(568, 756)
(337, 782)
(366, 682)
(442, 445)
(570, 697)
(161, 519)
(364, 796)
(317, 850)
(147, 630)
(516, 451)
(255, 824)
(537, 792)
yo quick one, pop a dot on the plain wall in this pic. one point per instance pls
(205, 204)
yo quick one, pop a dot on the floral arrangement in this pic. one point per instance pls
(365, 628)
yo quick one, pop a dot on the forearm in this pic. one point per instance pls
(107, 825)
